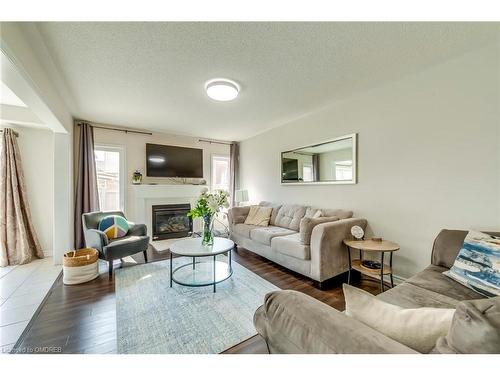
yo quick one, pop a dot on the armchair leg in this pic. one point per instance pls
(145, 252)
(110, 271)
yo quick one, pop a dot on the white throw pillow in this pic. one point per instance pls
(259, 215)
(317, 214)
(418, 328)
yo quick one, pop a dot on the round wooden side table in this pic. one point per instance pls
(371, 268)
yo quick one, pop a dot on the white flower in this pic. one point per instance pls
(204, 190)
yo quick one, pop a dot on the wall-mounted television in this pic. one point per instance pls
(173, 161)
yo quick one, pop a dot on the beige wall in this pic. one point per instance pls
(428, 155)
(135, 154)
(37, 155)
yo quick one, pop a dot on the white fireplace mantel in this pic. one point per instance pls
(145, 196)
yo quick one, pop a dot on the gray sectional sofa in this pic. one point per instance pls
(318, 254)
(292, 322)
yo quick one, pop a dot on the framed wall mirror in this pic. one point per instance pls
(329, 162)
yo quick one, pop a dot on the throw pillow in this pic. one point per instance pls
(418, 328)
(475, 329)
(313, 212)
(477, 265)
(259, 215)
(114, 226)
(307, 225)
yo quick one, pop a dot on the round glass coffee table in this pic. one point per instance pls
(198, 273)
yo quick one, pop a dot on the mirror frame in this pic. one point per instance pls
(354, 137)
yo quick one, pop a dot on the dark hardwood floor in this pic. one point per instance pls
(82, 318)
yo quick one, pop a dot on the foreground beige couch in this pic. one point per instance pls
(323, 258)
(292, 322)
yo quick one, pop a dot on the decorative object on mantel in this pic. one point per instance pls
(357, 232)
(207, 205)
(240, 196)
(137, 177)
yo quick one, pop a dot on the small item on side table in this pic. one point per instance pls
(370, 267)
(137, 177)
(376, 239)
(357, 232)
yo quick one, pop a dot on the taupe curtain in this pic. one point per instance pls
(87, 196)
(18, 240)
(234, 169)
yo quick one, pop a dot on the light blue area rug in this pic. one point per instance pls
(154, 318)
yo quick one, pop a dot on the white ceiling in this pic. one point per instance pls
(152, 75)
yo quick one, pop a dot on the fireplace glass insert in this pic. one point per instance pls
(171, 221)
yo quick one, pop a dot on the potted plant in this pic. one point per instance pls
(207, 205)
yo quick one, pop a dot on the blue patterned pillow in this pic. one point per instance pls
(114, 226)
(477, 265)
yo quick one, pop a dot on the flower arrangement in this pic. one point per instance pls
(207, 205)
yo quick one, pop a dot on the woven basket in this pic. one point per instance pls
(80, 266)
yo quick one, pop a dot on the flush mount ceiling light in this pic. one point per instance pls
(222, 90)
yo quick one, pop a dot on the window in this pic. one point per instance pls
(343, 170)
(110, 168)
(220, 172)
(307, 173)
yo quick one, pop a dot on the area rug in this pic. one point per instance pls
(154, 318)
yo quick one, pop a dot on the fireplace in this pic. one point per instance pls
(171, 221)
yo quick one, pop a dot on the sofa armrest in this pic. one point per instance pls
(237, 215)
(137, 229)
(329, 256)
(95, 239)
(294, 323)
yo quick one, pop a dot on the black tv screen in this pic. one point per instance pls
(173, 161)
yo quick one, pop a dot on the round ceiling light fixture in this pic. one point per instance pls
(222, 90)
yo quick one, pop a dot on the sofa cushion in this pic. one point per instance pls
(475, 329)
(264, 235)
(417, 328)
(432, 278)
(412, 296)
(276, 207)
(341, 214)
(290, 245)
(243, 229)
(307, 225)
(259, 215)
(289, 216)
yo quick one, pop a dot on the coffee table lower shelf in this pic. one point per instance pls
(197, 273)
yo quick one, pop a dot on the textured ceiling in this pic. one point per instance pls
(152, 75)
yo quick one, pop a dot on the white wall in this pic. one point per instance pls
(36, 147)
(428, 155)
(135, 155)
(29, 71)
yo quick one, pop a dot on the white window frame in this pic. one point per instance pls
(341, 163)
(122, 154)
(309, 166)
(212, 157)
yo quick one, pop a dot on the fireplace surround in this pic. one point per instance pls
(171, 221)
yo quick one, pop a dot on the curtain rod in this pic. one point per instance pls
(13, 131)
(214, 141)
(114, 129)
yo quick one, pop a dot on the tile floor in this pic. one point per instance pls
(22, 289)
